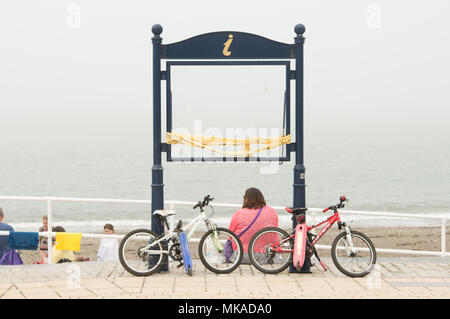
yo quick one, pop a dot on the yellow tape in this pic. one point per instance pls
(205, 141)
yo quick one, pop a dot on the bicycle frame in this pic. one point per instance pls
(171, 233)
(350, 248)
(329, 222)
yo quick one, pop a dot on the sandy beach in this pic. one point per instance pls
(414, 238)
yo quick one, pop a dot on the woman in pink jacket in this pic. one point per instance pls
(253, 216)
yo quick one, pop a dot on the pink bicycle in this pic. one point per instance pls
(272, 249)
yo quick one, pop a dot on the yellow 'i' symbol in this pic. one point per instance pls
(227, 46)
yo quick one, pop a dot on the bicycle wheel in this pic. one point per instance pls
(270, 250)
(137, 257)
(213, 255)
(357, 260)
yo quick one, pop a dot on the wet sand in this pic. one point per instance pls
(410, 238)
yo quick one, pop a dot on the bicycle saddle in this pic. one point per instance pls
(164, 213)
(296, 210)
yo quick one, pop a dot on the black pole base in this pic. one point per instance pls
(306, 269)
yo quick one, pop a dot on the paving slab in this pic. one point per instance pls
(393, 277)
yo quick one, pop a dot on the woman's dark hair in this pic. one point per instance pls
(108, 226)
(58, 229)
(253, 199)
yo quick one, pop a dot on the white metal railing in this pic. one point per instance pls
(172, 203)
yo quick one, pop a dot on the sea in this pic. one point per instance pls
(377, 170)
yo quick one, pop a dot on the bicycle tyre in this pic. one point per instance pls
(373, 254)
(253, 257)
(211, 267)
(123, 262)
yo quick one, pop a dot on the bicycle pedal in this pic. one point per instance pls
(180, 265)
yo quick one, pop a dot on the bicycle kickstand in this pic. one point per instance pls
(181, 264)
(320, 261)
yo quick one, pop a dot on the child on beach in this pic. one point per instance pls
(109, 247)
(246, 221)
(43, 246)
(63, 255)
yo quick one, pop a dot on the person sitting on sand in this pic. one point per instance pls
(63, 255)
(109, 247)
(248, 216)
(4, 245)
(43, 245)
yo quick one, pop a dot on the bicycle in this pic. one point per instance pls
(142, 252)
(272, 249)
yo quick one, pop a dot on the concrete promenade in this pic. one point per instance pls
(393, 277)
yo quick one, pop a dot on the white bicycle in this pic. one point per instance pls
(142, 252)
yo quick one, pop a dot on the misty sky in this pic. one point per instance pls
(83, 68)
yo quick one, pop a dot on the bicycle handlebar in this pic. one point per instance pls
(341, 204)
(203, 203)
(197, 205)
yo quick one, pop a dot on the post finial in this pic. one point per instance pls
(299, 29)
(157, 29)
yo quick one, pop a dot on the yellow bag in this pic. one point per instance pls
(68, 241)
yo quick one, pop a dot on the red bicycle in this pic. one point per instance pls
(271, 249)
